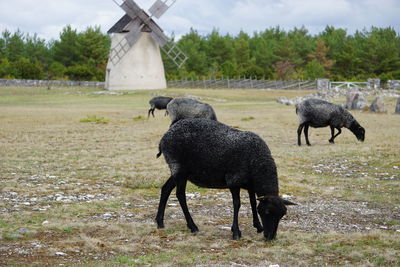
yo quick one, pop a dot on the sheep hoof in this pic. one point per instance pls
(194, 231)
(259, 227)
(237, 236)
(331, 141)
(160, 223)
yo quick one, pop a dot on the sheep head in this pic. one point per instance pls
(358, 131)
(271, 210)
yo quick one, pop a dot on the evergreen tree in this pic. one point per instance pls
(193, 46)
(14, 45)
(319, 62)
(93, 45)
(272, 54)
(242, 52)
(67, 49)
(218, 50)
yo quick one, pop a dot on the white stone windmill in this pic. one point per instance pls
(135, 58)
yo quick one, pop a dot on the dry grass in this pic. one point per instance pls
(91, 190)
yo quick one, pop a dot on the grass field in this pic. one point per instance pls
(79, 185)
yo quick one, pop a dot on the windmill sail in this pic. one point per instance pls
(119, 50)
(174, 53)
(139, 20)
(160, 7)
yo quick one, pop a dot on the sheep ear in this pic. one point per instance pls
(287, 202)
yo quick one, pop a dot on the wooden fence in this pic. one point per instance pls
(205, 83)
(243, 84)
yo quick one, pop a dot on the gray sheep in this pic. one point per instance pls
(319, 113)
(213, 155)
(158, 102)
(184, 108)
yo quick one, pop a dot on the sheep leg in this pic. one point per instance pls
(301, 126)
(151, 111)
(306, 134)
(235, 191)
(332, 140)
(165, 192)
(181, 195)
(253, 203)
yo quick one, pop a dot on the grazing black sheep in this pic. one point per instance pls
(158, 102)
(184, 108)
(213, 155)
(319, 113)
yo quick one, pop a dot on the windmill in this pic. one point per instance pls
(135, 58)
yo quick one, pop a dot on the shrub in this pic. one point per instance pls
(95, 119)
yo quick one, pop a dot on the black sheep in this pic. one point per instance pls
(185, 108)
(158, 102)
(213, 155)
(319, 113)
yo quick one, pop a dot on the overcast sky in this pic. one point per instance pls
(48, 17)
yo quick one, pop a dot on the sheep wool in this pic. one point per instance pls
(319, 113)
(213, 155)
(158, 102)
(184, 108)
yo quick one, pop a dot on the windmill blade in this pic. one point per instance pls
(159, 37)
(159, 7)
(174, 53)
(120, 49)
(170, 48)
(137, 14)
(133, 10)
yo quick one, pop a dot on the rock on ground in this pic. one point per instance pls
(378, 105)
(359, 102)
(397, 109)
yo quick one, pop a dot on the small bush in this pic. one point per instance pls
(95, 119)
(68, 230)
(12, 236)
(248, 118)
(124, 259)
(138, 118)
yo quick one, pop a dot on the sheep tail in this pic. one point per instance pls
(159, 154)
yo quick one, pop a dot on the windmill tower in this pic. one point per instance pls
(135, 58)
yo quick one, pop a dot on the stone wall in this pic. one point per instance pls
(322, 84)
(374, 83)
(45, 83)
(393, 84)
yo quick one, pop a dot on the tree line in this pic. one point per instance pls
(270, 54)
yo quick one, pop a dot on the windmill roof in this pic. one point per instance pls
(122, 24)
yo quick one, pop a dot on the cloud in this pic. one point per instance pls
(48, 17)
